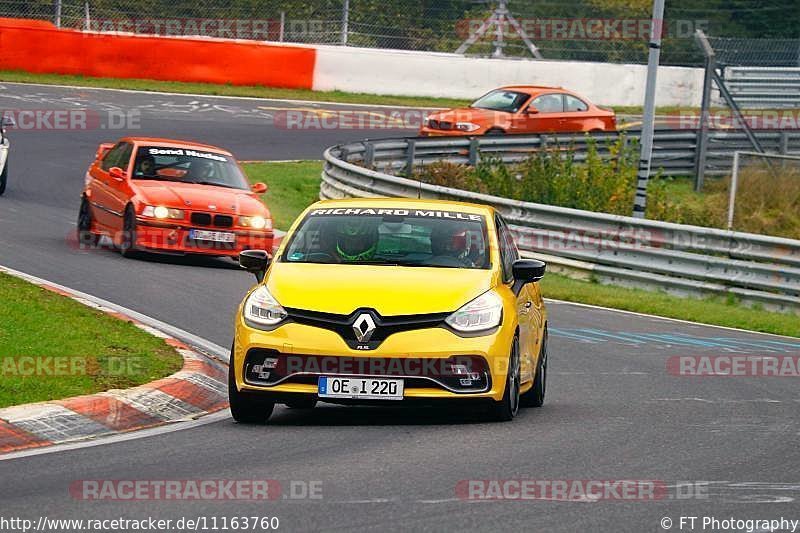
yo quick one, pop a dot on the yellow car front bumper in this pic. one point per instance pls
(301, 341)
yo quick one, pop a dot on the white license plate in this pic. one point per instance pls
(212, 236)
(360, 388)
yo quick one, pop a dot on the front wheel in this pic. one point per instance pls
(85, 235)
(128, 246)
(535, 396)
(4, 178)
(507, 408)
(246, 408)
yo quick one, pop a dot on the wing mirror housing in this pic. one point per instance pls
(259, 188)
(532, 110)
(527, 271)
(256, 262)
(7, 121)
(117, 174)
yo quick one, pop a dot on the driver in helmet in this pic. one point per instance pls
(202, 170)
(449, 240)
(357, 239)
(147, 166)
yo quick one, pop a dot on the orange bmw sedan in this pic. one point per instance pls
(522, 109)
(175, 197)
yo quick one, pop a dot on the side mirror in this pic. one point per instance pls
(532, 110)
(527, 271)
(6, 122)
(117, 174)
(256, 262)
(259, 188)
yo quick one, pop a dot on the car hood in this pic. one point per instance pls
(200, 197)
(391, 291)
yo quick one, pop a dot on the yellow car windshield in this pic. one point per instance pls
(390, 237)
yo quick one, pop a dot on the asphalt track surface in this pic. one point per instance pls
(613, 411)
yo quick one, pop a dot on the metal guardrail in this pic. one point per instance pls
(674, 151)
(764, 86)
(610, 248)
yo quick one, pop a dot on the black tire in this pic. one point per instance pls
(535, 396)
(85, 236)
(246, 408)
(302, 403)
(495, 132)
(127, 248)
(507, 408)
(4, 178)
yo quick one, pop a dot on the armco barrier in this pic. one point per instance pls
(34, 46)
(677, 258)
(674, 151)
(769, 87)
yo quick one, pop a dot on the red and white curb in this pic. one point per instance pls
(199, 388)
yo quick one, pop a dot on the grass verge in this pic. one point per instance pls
(293, 186)
(227, 90)
(52, 347)
(716, 311)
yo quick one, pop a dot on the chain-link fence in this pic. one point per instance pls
(738, 52)
(587, 30)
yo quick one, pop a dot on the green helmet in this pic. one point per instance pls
(357, 239)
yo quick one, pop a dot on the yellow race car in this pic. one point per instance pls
(391, 300)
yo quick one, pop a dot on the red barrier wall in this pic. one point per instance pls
(37, 46)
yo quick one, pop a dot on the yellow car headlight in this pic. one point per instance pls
(256, 222)
(262, 309)
(482, 313)
(160, 212)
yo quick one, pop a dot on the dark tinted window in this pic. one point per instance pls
(502, 100)
(118, 156)
(574, 104)
(403, 237)
(508, 250)
(188, 166)
(548, 103)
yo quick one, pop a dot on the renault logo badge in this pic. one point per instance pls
(364, 327)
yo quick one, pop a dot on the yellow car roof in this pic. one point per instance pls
(406, 203)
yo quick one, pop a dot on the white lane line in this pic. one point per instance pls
(225, 97)
(678, 320)
(721, 400)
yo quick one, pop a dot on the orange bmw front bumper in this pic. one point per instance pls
(177, 238)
